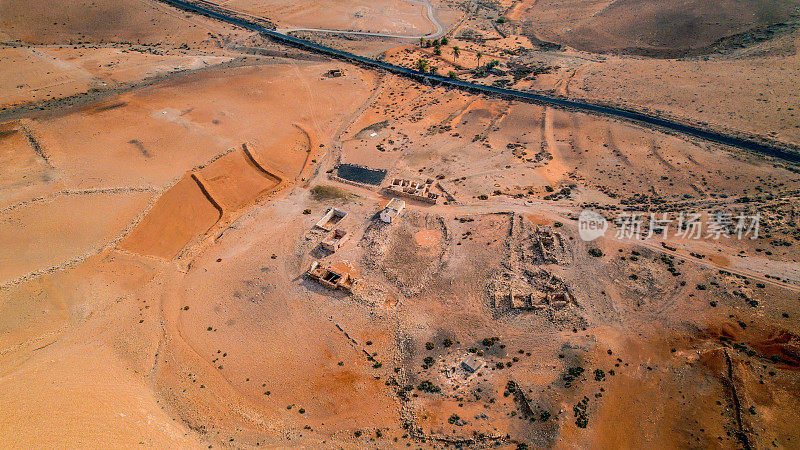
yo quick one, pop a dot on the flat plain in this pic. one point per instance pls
(161, 175)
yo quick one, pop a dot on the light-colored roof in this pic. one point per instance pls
(395, 204)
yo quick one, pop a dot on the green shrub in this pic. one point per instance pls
(323, 192)
(427, 386)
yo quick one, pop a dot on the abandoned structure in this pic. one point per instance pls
(471, 364)
(415, 189)
(330, 219)
(392, 210)
(334, 240)
(538, 291)
(534, 290)
(527, 283)
(547, 246)
(334, 73)
(460, 369)
(330, 278)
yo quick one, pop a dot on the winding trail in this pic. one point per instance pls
(431, 17)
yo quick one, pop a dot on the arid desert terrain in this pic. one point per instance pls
(210, 238)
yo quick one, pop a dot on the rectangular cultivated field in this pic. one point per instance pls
(236, 180)
(198, 201)
(181, 214)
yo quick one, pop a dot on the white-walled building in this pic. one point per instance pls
(392, 210)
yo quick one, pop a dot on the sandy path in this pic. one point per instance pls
(336, 153)
(555, 170)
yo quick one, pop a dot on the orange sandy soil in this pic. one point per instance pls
(93, 189)
(384, 16)
(648, 25)
(427, 238)
(604, 155)
(152, 289)
(190, 208)
(761, 103)
(21, 166)
(88, 22)
(50, 232)
(50, 72)
(165, 132)
(181, 214)
(233, 343)
(83, 49)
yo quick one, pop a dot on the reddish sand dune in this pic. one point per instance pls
(181, 214)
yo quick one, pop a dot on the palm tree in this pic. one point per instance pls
(422, 42)
(456, 52)
(479, 55)
(422, 65)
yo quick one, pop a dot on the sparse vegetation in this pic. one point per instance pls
(427, 386)
(599, 375)
(581, 418)
(488, 342)
(489, 258)
(326, 192)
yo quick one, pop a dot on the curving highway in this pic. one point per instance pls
(633, 116)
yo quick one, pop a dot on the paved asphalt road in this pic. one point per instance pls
(633, 116)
